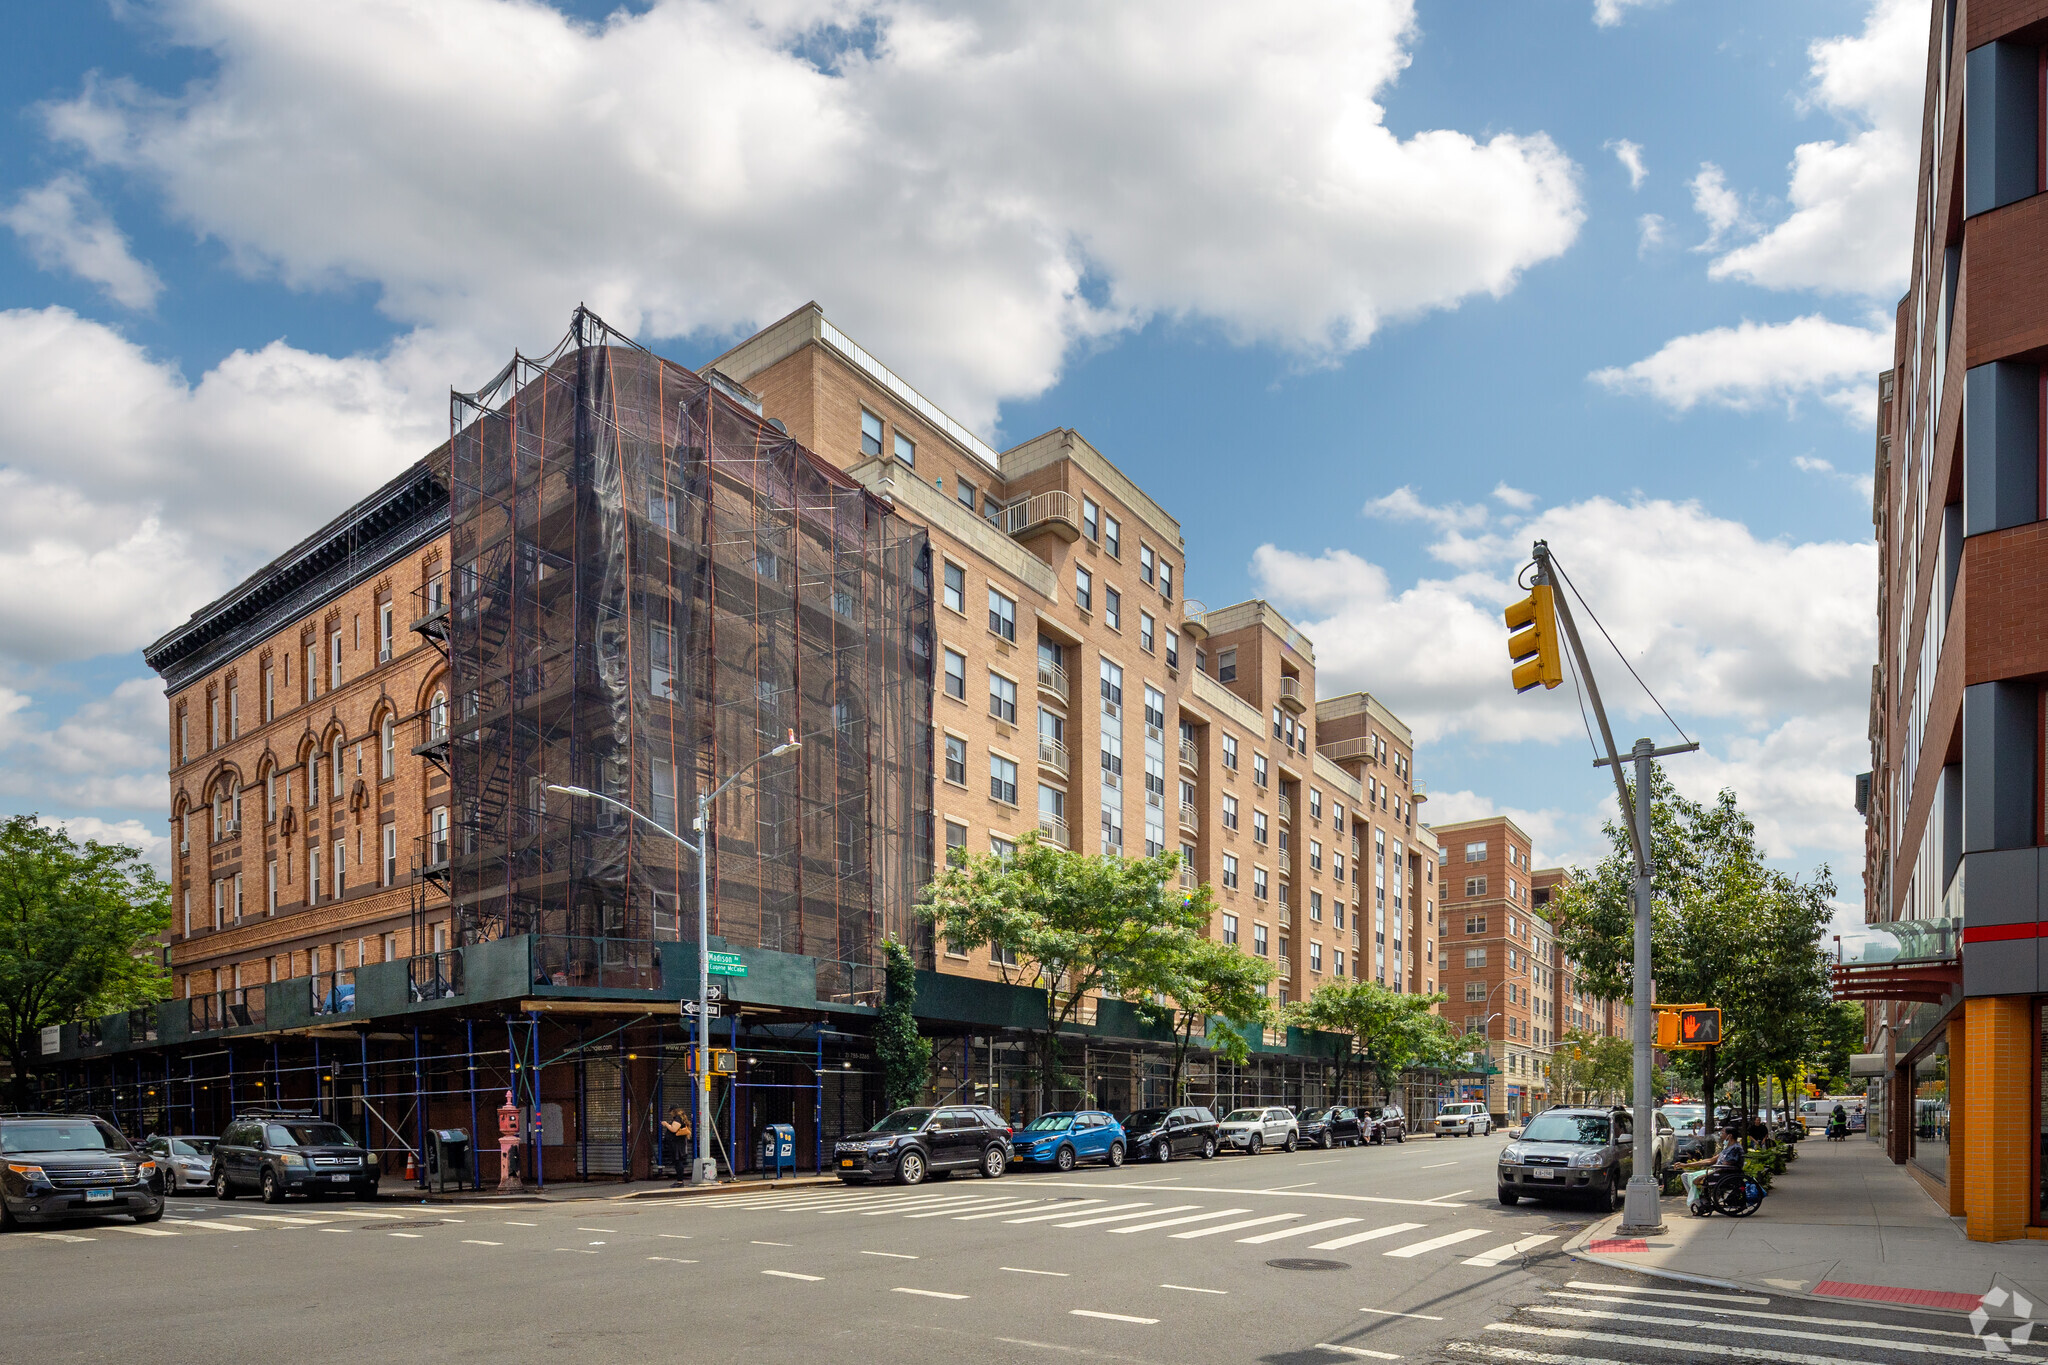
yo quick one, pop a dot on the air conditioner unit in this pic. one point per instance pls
(1110, 779)
(1154, 732)
(1114, 710)
(231, 827)
(384, 654)
(184, 847)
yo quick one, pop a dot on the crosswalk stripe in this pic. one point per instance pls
(1176, 1222)
(954, 1201)
(363, 1213)
(981, 1205)
(1746, 1353)
(1448, 1239)
(1262, 1238)
(1752, 1313)
(1745, 1329)
(146, 1232)
(1508, 1252)
(1233, 1227)
(998, 1213)
(280, 1218)
(1120, 1217)
(1522, 1357)
(1390, 1230)
(219, 1227)
(1356, 1351)
(1062, 1213)
(61, 1237)
(1665, 1293)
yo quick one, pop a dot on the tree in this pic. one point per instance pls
(905, 1054)
(1392, 1031)
(1207, 981)
(1840, 1034)
(77, 930)
(1068, 925)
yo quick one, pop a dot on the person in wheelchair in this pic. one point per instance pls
(1726, 1171)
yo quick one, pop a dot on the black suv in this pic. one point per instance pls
(61, 1166)
(1336, 1126)
(1163, 1134)
(911, 1144)
(276, 1153)
(1388, 1123)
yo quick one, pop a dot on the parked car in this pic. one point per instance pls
(1665, 1138)
(1335, 1126)
(182, 1163)
(1463, 1120)
(279, 1152)
(61, 1166)
(1569, 1151)
(1163, 1134)
(1254, 1130)
(1389, 1124)
(911, 1144)
(1690, 1138)
(1064, 1139)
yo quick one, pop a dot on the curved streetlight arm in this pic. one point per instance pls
(611, 801)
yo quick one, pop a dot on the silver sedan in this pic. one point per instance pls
(186, 1162)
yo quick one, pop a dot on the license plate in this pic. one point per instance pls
(342, 1178)
(846, 1161)
(1544, 1175)
(99, 1196)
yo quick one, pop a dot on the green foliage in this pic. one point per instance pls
(1394, 1031)
(1840, 1034)
(905, 1054)
(1069, 925)
(1204, 983)
(77, 930)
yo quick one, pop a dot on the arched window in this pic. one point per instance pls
(437, 716)
(234, 803)
(387, 745)
(338, 767)
(313, 775)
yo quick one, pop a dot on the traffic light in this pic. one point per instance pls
(1667, 1030)
(1699, 1027)
(1533, 646)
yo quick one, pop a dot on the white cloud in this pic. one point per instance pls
(107, 755)
(1559, 838)
(1609, 13)
(1797, 781)
(1649, 232)
(1721, 206)
(155, 847)
(1864, 484)
(1514, 497)
(972, 193)
(1850, 229)
(1630, 155)
(1754, 364)
(62, 228)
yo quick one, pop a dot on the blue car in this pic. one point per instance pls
(1064, 1139)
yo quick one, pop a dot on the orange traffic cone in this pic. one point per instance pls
(412, 1170)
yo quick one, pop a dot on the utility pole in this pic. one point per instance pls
(1535, 648)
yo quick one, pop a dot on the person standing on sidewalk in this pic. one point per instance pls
(676, 1133)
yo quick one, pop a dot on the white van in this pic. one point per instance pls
(1816, 1113)
(1463, 1120)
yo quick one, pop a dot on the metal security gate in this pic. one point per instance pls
(604, 1128)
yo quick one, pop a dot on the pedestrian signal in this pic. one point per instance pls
(1533, 646)
(1699, 1028)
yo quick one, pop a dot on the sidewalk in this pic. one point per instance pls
(572, 1190)
(1841, 1223)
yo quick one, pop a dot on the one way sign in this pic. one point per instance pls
(715, 992)
(691, 1009)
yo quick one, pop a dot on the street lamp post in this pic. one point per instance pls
(704, 1171)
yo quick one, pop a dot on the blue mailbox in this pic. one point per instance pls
(778, 1148)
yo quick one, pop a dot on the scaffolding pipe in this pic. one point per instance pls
(476, 1178)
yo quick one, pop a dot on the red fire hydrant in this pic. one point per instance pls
(508, 1143)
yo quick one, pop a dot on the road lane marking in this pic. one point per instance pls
(999, 1213)
(1752, 1313)
(1176, 1222)
(1020, 1270)
(676, 1236)
(227, 1227)
(1452, 1195)
(1390, 1313)
(1741, 1329)
(457, 1220)
(1668, 1293)
(1112, 1317)
(758, 1244)
(412, 1235)
(1743, 1353)
(582, 1251)
(362, 1213)
(892, 1255)
(1125, 1217)
(1362, 1351)
(997, 1206)
(1434, 1243)
(1391, 1229)
(479, 1242)
(1508, 1252)
(146, 1232)
(672, 1260)
(1437, 1166)
(343, 1231)
(280, 1218)
(1233, 1227)
(67, 1237)
(510, 1224)
(1281, 1189)
(926, 1293)
(952, 1200)
(1264, 1237)
(1048, 1217)
(1096, 1186)
(792, 1275)
(1327, 1161)
(1190, 1289)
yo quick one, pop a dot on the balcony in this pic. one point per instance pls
(1286, 807)
(1049, 513)
(1188, 879)
(1052, 678)
(1194, 618)
(1052, 754)
(1054, 828)
(1189, 820)
(1290, 695)
(1347, 750)
(1188, 757)
(1286, 916)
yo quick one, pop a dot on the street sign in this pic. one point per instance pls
(726, 964)
(714, 992)
(691, 1009)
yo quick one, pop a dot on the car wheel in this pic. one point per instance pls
(1508, 1196)
(1252, 1147)
(273, 1193)
(221, 1188)
(1325, 1142)
(1208, 1148)
(1162, 1151)
(170, 1183)
(152, 1216)
(8, 1222)
(1063, 1159)
(1116, 1154)
(995, 1161)
(1400, 1138)
(1293, 1141)
(910, 1170)
(1617, 1193)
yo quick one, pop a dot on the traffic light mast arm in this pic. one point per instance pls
(1571, 635)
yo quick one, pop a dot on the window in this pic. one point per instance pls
(906, 450)
(956, 760)
(870, 433)
(1166, 580)
(1315, 956)
(955, 592)
(312, 671)
(1002, 616)
(1145, 628)
(1230, 812)
(1315, 804)
(1112, 686)
(1111, 537)
(1172, 649)
(213, 722)
(1230, 871)
(437, 716)
(1230, 752)
(1475, 886)
(339, 767)
(1155, 707)
(661, 677)
(384, 633)
(1339, 964)
(1315, 855)
(220, 904)
(1145, 574)
(964, 491)
(1002, 779)
(661, 510)
(234, 711)
(1155, 788)
(1226, 665)
(1002, 698)
(238, 898)
(1006, 853)
(1315, 906)
(1475, 957)
(1112, 756)
(269, 889)
(1112, 609)
(956, 675)
(390, 855)
(1475, 924)
(1280, 728)
(387, 749)
(1259, 883)
(1259, 939)
(1337, 866)
(956, 847)
(1475, 853)
(1084, 589)
(1258, 770)
(334, 661)
(1091, 519)
(1258, 824)
(1230, 931)
(1474, 991)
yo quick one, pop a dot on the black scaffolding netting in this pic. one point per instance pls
(651, 588)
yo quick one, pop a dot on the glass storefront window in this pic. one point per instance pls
(1931, 1109)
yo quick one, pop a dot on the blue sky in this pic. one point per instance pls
(1368, 298)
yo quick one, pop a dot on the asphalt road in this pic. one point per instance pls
(1396, 1252)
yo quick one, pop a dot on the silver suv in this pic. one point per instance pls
(1463, 1120)
(1570, 1151)
(1252, 1130)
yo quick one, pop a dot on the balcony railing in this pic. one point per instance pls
(1194, 616)
(1188, 757)
(595, 960)
(333, 992)
(435, 976)
(1052, 677)
(1189, 819)
(1342, 750)
(1054, 828)
(1286, 807)
(1052, 754)
(241, 1007)
(1187, 878)
(1052, 511)
(1286, 916)
(1290, 695)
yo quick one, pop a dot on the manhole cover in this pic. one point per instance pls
(1307, 1263)
(424, 1223)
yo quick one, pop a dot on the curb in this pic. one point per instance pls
(730, 1187)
